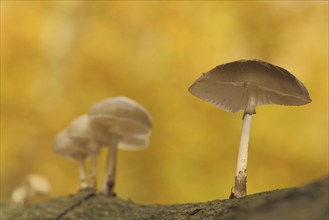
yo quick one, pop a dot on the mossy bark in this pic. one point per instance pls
(308, 202)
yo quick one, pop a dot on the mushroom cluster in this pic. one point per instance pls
(117, 122)
(243, 85)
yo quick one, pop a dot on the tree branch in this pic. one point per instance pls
(308, 202)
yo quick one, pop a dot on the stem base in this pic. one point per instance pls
(240, 185)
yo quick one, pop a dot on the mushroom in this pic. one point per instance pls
(81, 131)
(77, 142)
(21, 195)
(243, 85)
(33, 186)
(39, 184)
(119, 122)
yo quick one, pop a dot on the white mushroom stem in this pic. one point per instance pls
(83, 174)
(94, 171)
(110, 169)
(240, 185)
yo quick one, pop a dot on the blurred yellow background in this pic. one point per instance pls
(60, 57)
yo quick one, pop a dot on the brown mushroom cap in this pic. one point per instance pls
(229, 86)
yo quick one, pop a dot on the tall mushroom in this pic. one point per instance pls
(77, 142)
(243, 85)
(119, 122)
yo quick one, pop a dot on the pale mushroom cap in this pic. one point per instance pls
(38, 183)
(73, 148)
(80, 128)
(228, 86)
(134, 143)
(20, 195)
(82, 134)
(122, 115)
(126, 142)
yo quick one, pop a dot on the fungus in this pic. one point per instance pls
(21, 195)
(34, 185)
(243, 85)
(39, 184)
(81, 131)
(119, 122)
(77, 143)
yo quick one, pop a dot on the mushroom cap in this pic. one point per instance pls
(134, 143)
(74, 148)
(126, 142)
(229, 86)
(122, 116)
(82, 134)
(20, 195)
(38, 183)
(80, 128)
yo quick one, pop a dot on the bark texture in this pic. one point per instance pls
(307, 202)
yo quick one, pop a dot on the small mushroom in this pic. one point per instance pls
(81, 131)
(21, 195)
(34, 185)
(119, 122)
(39, 184)
(77, 143)
(243, 85)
